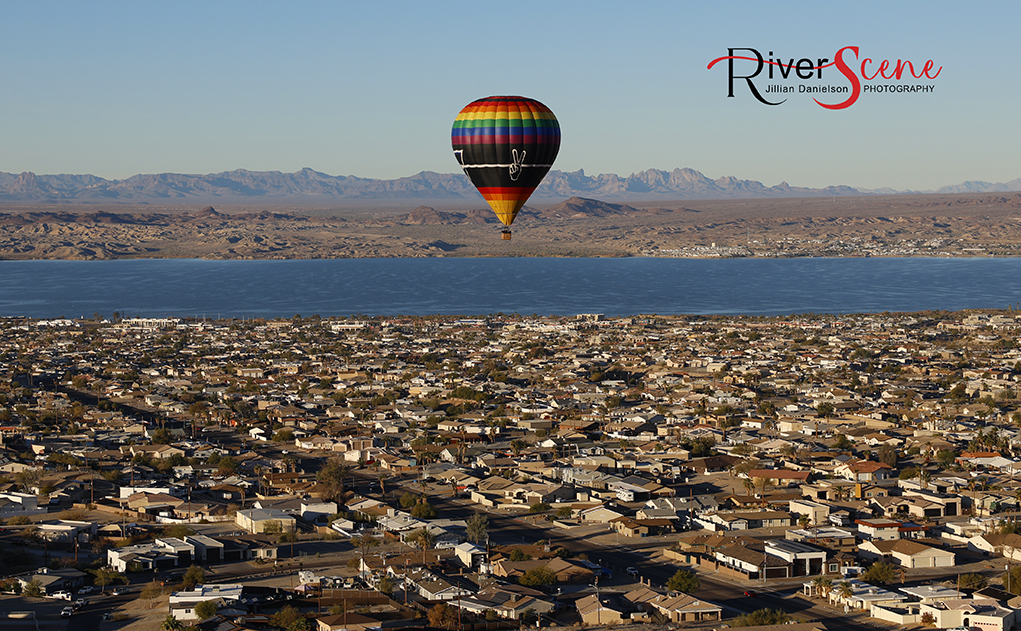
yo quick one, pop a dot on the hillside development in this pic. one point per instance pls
(511, 470)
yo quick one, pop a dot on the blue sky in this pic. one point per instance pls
(371, 89)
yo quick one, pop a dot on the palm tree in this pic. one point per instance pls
(823, 586)
(423, 539)
(845, 590)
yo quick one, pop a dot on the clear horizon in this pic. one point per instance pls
(115, 89)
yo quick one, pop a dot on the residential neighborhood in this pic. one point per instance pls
(841, 472)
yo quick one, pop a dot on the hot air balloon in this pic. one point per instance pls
(506, 145)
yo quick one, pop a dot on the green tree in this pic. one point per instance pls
(887, 454)
(206, 609)
(151, 592)
(178, 531)
(684, 581)
(105, 576)
(540, 507)
(761, 617)
(332, 476)
(538, 577)
(1012, 580)
(194, 576)
(286, 617)
(972, 581)
(477, 528)
(33, 588)
(517, 554)
(385, 586)
(442, 615)
(423, 510)
(408, 500)
(272, 527)
(161, 437)
(946, 458)
(843, 442)
(908, 473)
(879, 573)
(170, 623)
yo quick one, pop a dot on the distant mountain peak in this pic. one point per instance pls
(308, 184)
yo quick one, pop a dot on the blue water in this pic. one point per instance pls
(557, 286)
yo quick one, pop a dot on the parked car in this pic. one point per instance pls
(61, 595)
(81, 602)
(750, 593)
(120, 590)
(632, 571)
(85, 590)
(67, 612)
(107, 616)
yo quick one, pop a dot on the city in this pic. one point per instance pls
(507, 469)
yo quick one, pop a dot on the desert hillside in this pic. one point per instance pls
(894, 225)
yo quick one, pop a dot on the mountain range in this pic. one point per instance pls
(310, 186)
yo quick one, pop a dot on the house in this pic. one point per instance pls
(906, 553)
(749, 561)
(433, 587)
(260, 520)
(804, 559)
(599, 514)
(779, 476)
(182, 604)
(470, 554)
(863, 596)
(748, 520)
(351, 621)
(13, 504)
(980, 613)
(684, 608)
(826, 537)
(816, 512)
(567, 571)
(205, 549)
(870, 529)
(1007, 546)
(600, 610)
(50, 581)
(864, 471)
(508, 601)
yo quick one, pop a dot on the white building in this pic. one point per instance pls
(982, 614)
(13, 504)
(182, 604)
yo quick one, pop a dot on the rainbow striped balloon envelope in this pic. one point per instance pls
(506, 145)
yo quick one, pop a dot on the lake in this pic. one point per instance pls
(477, 286)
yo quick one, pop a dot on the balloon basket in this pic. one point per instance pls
(506, 235)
